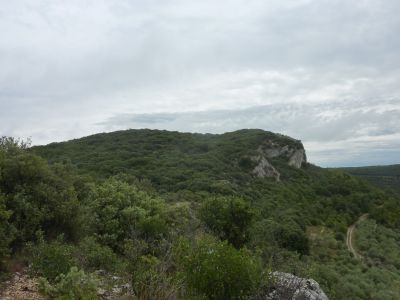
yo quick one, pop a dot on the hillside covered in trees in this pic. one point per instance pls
(383, 176)
(191, 216)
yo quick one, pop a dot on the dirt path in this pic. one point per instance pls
(350, 236)
(21, 287)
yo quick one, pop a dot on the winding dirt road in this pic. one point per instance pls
(350, 236)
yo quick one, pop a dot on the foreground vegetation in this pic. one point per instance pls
(181, 216)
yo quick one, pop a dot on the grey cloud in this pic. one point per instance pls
(147, 118)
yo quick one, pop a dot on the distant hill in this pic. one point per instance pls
(383, 176)
(175, 161)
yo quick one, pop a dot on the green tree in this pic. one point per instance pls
(228, 217)
(37, 198)
(292, 238)
(121, 211)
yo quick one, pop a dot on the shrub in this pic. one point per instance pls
(121, 212)
(52, 259)
(217, 270)
(151, 280)
(7, 231)
(339, 236)
(151, 276)
(39, 198)
(292, 238)
(228, 217)
(94, 256)
(73, 285)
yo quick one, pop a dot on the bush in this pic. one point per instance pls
(151, 280)
(217, 270)
(292, 238)
(7, 231)
(73, 285)
(121, 212)
(52, 259)
(94, 256)
(228, 217)
(151, 276)
(39, 198)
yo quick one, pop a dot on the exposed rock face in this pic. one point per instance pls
(272, 150)
(291, 287)
(295, 156)
(264, 168)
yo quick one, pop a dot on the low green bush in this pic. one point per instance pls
(292, 238)
(7, 231)
(94, 256)
(217, 270)
(76, 284)
(121, 211)
(51, 259)
(228, 217)
(152, 277)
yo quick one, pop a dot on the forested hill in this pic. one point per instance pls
(383, 176)
(175, 161)
(196, 216)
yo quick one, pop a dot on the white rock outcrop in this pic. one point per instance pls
(290, 287)
(297, 158)
(264, 168)
(270, 150)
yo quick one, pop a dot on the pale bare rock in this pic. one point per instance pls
(272, 150)
(297, 158)
(21, 287)
(291, 287)
(264, 168)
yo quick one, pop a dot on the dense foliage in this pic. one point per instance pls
(383, 176)
(215, 269)
(229, 218)
(173, 161)
(181, 215)
(73, 285)
(121, 211)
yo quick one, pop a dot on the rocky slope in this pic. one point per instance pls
(294, 155)
(21, 287)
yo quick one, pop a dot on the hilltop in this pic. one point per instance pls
(151, 154)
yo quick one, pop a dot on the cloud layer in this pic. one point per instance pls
(325, 72)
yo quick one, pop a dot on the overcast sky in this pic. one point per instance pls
(326, 72)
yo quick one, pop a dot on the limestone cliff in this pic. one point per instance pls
(264, 168)
(293, 154)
